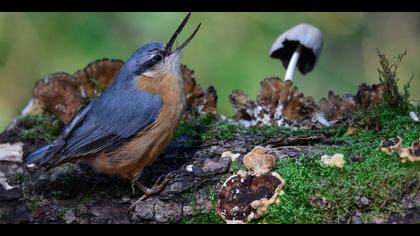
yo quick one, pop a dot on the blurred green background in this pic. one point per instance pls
(229, 52)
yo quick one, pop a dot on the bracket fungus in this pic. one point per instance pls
(63, 94)
(97, 76)
(369, 95)
(299, 46)
(278, 103)
(199, 101)
(58, 93)
(411, 154)
(258, 161)
(334, 108)
(391, 145)
(247, 195)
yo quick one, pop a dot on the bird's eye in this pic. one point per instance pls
(158, 58)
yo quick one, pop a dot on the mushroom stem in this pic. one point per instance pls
(292, 64)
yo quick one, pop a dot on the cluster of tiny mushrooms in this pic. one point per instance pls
(247, 194)
(393, 146)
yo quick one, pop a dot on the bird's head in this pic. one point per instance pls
(156, 59)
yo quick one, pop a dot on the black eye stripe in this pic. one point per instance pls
(158, 57)
(149, 63)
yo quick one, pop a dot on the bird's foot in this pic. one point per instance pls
(159, 185)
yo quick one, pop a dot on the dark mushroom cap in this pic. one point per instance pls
(244, 197)
(391, 145)
(415, 149)
(311, 39)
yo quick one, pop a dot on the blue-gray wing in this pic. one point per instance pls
(113, 118)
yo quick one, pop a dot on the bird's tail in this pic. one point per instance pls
(43, 154)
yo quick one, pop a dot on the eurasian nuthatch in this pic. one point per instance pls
(130, 123)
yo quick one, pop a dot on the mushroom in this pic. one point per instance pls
(244, 197)
(411, 154)
(278, 103)
(415, 151)
(369, 95)
(336, 160)
(258, 161)
(198, 101)
(334, 108)
(246, 110)
(97, 76)
(391, 145)
(247, 195)
(299, 46)
(59, 95)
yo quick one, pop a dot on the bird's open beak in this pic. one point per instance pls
(173, 38)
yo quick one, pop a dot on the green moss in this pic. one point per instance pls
(367, 173)
(380, 178)
(85, 199)
(207, 128)
(42, 127)
(388, 76)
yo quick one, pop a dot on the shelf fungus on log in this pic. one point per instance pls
(97, 76)
(247, 195)
(391, 145)
(63, 94)
(281, 100)
(278, 103)
(247, 112)
(411, 154)
(199, 101)
(369, 95)
(334, 108)
(58, 94)
(258, 161)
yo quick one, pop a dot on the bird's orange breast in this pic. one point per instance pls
(130, 159)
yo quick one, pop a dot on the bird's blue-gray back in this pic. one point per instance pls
(119, 114)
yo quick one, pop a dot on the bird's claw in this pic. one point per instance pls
(159, 185)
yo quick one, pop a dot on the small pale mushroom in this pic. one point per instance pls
(299, 46)
(258, 161)
(391, 145)
(336, 160)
